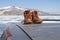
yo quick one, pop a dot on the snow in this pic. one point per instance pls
(13, 7)
(5, 7)
(50, 17)
(51, 21)
(21, 8)
(7, 19)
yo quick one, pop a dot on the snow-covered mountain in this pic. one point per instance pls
(12, 10)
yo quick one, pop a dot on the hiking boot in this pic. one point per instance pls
(27, 17)
(35, 17)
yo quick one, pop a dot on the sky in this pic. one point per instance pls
(50, 6)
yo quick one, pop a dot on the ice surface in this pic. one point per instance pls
(50, 17)
(6, 19)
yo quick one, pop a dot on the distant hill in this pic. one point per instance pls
(12, 10)
(41, 13)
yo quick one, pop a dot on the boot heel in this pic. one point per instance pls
(36, 19)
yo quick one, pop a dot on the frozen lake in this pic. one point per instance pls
(6, 19)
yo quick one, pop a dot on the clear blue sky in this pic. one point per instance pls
(52, 6)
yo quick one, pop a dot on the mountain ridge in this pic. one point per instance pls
(13, 10)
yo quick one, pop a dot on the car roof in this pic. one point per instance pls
(44, 31)
(17, 33)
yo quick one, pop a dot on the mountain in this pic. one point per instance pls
(13, 10)
(41, 13)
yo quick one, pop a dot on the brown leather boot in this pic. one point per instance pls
(27, 17)
(35, 17)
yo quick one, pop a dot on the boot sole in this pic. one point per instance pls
(27, 23)
(37, 22)
(33, 23)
